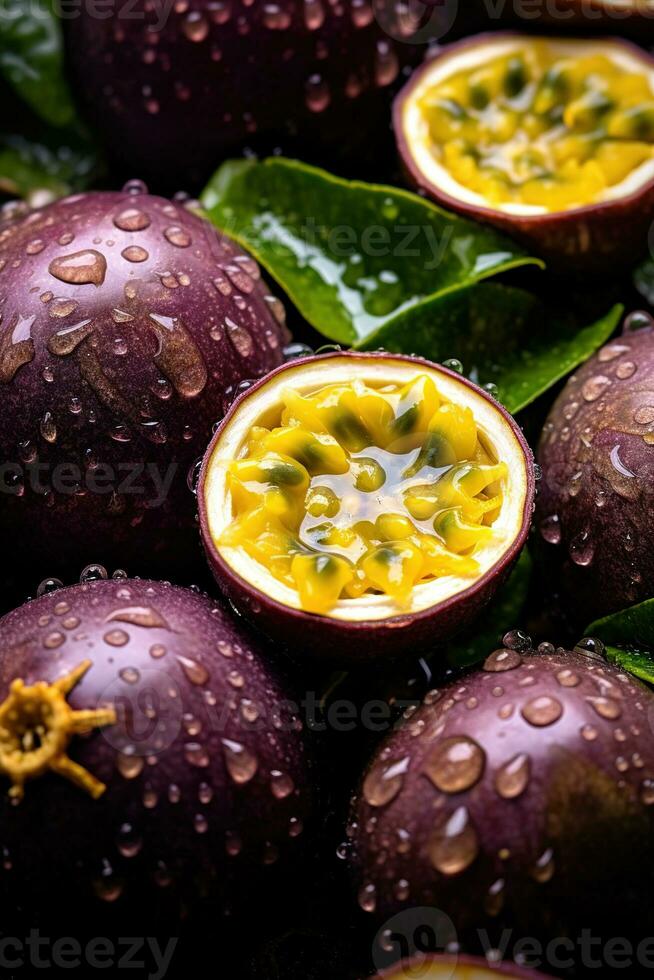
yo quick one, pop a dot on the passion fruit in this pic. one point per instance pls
(456, 968)
(549, 139)
(595, 509)
(517, 798)
(125, 320)
(357, 504)
(173, 91)
(145, 731)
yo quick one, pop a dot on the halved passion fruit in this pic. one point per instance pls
(447, 967)
(549, 139)
(356, 497)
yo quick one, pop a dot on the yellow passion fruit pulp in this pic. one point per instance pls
(536, 125)
(363, 487)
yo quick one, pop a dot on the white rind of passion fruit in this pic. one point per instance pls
(462, 559)
(573, 182)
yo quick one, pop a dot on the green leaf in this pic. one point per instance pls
(27, 169)
(501, 335)
(352, 257)
(643, 277)
(503, 614)
(31, 58)
(628, 636)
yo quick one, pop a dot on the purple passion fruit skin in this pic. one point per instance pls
(589, 237)
(196, 794)
(595, 509)
(631, 18)
(125, 319)
(444, 967)
(172, 99)
(518, 797)
(359, 627)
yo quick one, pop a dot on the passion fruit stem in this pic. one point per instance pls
(36, 726)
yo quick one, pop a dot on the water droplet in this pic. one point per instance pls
(132, 219)
(196, 755)
(196, 672)
(568, 678)
(87, 267)
(502, 660)
(178, 236)
(384, 781)
(624, 370)
(455, 764)
(595, 387)
(134, 253)
(241, 764)
(582, 549)
(49, 585)
(116, 638)
(368, 898)
(281, 784)
(454, 845)
(605, 707)
(129, 766)
(512, 778)
(543, 870)
(542, 711)
(129, 842)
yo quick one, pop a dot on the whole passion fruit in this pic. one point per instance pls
(548, 139)
(356, 504)
(125, 319)
(456, 968)
(149, 759)
(173, 89)
(517, 798)
(595, 509)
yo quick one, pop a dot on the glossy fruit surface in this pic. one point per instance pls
(548, 139)
(594, 508)
(125, 320)
(354, 503)
(456, 968)
(194, 787)
(517, 797)
(173, 95)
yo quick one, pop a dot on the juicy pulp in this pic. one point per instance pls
(356, 488)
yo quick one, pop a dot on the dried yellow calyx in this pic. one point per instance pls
(36, 726)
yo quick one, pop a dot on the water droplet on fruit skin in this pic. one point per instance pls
(542, 711)
(582, 549)
(49, 585)
(88, 267)
(135, 253)
(16, 347)
(384, 781)
(178, 356)
(368, 898)
(454, 845)
(455, 764)
(241, 764)
(606, 708)
(129, 766)
(196, 755)
(512, 779)
(502, 660)
(132, 219)
(129, 842)
(281, 784)
(196, 672)
(543, 869)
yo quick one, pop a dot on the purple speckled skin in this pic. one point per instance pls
(573, 849)
(587, 240)
(164, 830)
(308, 636)
(595, 506)
(172, 97)
(125, 367)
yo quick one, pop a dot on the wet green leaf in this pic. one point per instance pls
(503, 614)
(628, 636)
(31, 58)
(36, 171)
(643, 278)
(352, 257)
(501, 335)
